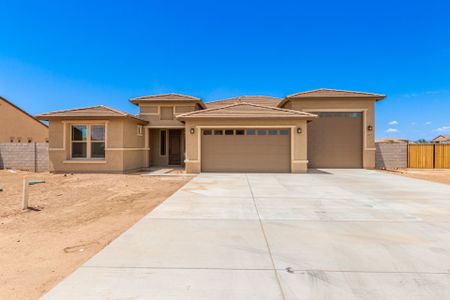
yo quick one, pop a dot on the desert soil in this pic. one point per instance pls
(71, 218)
(437, 175)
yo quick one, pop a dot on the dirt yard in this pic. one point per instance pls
(71, 218)
(437, 175)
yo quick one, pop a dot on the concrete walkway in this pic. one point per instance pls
(334, 234)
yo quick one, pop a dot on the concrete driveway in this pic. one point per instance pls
(333, 234)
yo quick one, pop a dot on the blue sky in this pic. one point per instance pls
(56, 55)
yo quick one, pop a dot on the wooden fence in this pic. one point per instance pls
(429, 156)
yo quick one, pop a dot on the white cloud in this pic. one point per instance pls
(443, 128)
(391, 130)
(393, 123)
(428, 123)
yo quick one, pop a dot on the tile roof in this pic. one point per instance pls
(259, 100)
(21, 110)
(172, 97)
(246, 111)
(334, 93)
(99, 111)
(442, 138)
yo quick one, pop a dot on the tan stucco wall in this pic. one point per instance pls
(299, 146)
(366, 106)
(156, 158)
(151, 112)
(15, 123)
(125, 150)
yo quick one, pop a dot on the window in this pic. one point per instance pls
(88, 141)
(229, 132)
(240, 132)
(207, 132)
(97, 141)
(262, 132)
(140, 130)
(284, 131)
(273, 132)
(79, 141)
(162, 143)
(166, 113)
(251, 132)
(218, 132)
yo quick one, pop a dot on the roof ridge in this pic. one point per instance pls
(335, 90)
(111, 109)
(165, 94)
(247, 103)
(237, 97)
(72, 109)
(280, 109)
(209, 109)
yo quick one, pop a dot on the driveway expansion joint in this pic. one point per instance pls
(283, 295)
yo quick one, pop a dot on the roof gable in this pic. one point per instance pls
(325, 93)
(259, 100)
(247, 111)
(88, 112)
(22, 111)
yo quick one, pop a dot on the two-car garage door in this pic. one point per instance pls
(245, 150)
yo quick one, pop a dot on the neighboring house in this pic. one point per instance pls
(321, 128)
(17, 126)
(441, 139)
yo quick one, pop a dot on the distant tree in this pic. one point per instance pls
(422, 141)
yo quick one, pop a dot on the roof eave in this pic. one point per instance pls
(49, 118)
(136, 101)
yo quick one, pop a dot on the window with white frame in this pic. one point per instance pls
(88, 141)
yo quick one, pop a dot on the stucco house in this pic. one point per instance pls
(18, 126)
(321, 128)
(441, 139)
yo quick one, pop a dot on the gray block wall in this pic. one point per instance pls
(391, 155)
(27, 157)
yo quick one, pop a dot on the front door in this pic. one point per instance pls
(174, 147)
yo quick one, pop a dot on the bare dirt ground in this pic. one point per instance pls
(437, 175)
(72, 218)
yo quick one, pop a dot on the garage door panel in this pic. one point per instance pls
(335, 140)
(245, 153)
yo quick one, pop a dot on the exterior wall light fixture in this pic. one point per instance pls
(192, 130)
(299, 130)
(370, 128)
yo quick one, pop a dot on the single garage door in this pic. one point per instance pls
(245, 150)
(335, 140)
